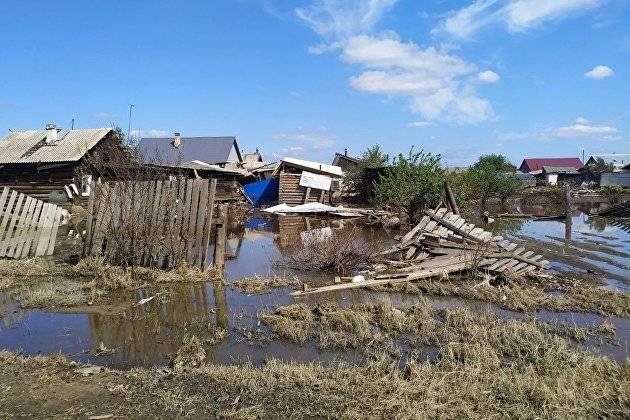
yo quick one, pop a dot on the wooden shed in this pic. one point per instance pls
(303, 181)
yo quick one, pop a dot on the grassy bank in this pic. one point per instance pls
(524, 295)
(484, 368)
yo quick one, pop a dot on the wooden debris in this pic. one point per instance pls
(618, 210)
(443, 243)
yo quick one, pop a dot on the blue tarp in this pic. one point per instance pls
(263, 192)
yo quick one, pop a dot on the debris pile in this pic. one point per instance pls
(441, 244)
(618, 210)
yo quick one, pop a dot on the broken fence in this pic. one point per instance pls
(443, 243)
(151, 223)
(28, 226)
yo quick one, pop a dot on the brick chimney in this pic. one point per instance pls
(51, 133)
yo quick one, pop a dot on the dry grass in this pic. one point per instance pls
(344, 250)
(51, 294)
(518, 295)
(258, 285)
(486, 368)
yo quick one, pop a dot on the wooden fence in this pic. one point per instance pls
(151, 223)
(28, 226)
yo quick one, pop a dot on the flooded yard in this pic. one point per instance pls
(226, 320)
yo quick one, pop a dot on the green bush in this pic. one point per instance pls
(613, 193)
(414, 182)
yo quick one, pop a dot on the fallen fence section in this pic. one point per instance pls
(617, 210)
(28, 226)
(151, 223)
(441, 244)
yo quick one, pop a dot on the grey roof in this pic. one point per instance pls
(30, 146)
(560, 170)
(211, 150)
(617, 159)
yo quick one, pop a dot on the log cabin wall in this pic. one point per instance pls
(292, 193)
(39, 184)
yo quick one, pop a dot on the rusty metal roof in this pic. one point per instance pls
(31, 147)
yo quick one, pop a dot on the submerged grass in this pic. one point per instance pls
(485, 368)
(258, 285)
(37, 283)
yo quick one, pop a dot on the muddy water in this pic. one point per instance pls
(148, 335)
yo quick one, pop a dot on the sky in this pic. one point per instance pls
(308, 78)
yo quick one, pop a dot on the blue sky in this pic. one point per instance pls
(307, 78)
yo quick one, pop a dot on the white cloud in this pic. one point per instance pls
(516, 15)
(488, 76)
(599, 72)
(580, 128)
(437, 83)
(343, 18)
(103, 115)
(418, 124)
(584, 128)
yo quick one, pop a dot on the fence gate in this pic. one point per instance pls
(28, 226)
(151, 223)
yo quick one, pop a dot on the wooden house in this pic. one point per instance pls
(54, 165)
(345, 162)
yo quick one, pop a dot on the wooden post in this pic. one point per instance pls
(450, 198)
(221, 237)
(568, 223)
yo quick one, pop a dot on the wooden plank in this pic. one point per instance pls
(421, 225)
(7, 215)
(89, 221)
(200, 223)
(208, 225)
(415, 276)
(6, 243)
(43, 230)
(53, 235)
(190, 232)
(18, 238)
(32, 231)
(3, 201)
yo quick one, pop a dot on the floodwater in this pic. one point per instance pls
(149, 334)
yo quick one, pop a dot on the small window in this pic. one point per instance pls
(86, 181)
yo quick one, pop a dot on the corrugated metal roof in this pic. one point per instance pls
(560, 170)
(206, 149)
(619, 160)
(531, 165)
(31, 147)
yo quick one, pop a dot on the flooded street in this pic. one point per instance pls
(149, 334)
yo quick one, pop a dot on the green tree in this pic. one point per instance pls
(489, 177)
(600, 166)
(414, 181)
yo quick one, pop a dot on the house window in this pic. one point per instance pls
(86, 180)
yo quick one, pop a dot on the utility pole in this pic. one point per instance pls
(129, 126)
(72, 125)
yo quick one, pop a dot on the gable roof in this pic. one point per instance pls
(619, 160)
(536, 164)
(211, 150)
(342, 156)
(311, 166)
(30, 146)
(252, 157)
